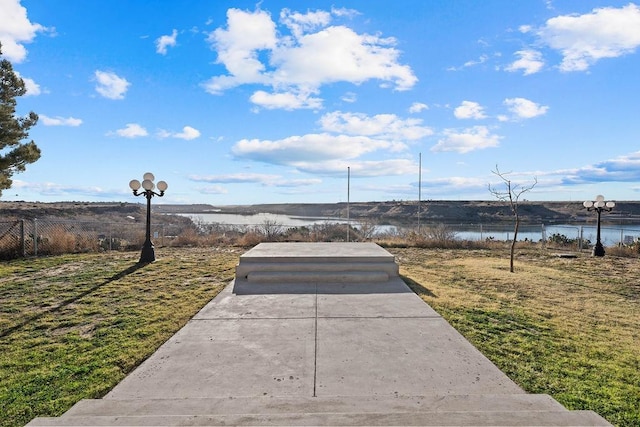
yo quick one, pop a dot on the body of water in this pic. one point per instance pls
(610, 234)
(259, 219)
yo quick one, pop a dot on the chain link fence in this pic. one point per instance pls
(33, 237)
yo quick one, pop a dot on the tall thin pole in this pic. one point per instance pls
(348, 199)
(148, 251)
(598, 249)
(419, 188)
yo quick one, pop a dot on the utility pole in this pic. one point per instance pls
(348, 197)
(419, 189)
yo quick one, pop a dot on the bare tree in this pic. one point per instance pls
(440, 233)
(511, 194)
(270, 229)
(367, 228)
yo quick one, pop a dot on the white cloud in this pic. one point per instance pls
(300, 23)
(295, 150)
(472, 63)
(418, 107)
(342, 11)
(257, 178)
(481, 60)
(188, 133)
(238, 46)
(385, 126)
(525, 28)
(131, 130)
(347, 138)
(110, 85)
(163, 42)
(15, 30)
(525, 109)
(315, 54)
(475, 138)
(469, 110)
(60, 121)
(620, 169)
(53, 189)
(285, 100)
(530, 62)
(606, 32)
(349, 97)
(33, 88)
(454, 185)
(339, 54)
(360, 169)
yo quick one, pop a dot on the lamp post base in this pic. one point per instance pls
(148, 254)
(598, 250)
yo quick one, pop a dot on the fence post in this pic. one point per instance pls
(22, 239)
(621, 237)
(35, 236)
(580, 237)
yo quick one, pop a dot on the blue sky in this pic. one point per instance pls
(238, 102)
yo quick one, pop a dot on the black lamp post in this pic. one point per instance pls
(148, 253)
(599, 205)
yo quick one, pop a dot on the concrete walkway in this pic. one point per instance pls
(300, 338)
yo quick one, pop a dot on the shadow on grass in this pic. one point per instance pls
(416, 287)
(73, 299)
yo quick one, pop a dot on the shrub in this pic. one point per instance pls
(59, 241)
(188, 237)
(250, 238)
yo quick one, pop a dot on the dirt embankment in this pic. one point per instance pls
(115, 212)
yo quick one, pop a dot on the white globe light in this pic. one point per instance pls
(148, 176)
(611, 204)
(600, 204)
(134, 184)
(599, 198)
(587, 204)
(162, 186)
(147, 184)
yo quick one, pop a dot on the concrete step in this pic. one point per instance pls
(461, 410)
(244, 268)
(334, 252)
(317, 262)
(519, 418)
(317, 276)
(346, 404)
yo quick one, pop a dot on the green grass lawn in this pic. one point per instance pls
(72, 327)
(569, 328)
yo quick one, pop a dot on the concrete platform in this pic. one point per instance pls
(319, 352)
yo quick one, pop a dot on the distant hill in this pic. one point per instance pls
(392, 212)
(435, 211)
